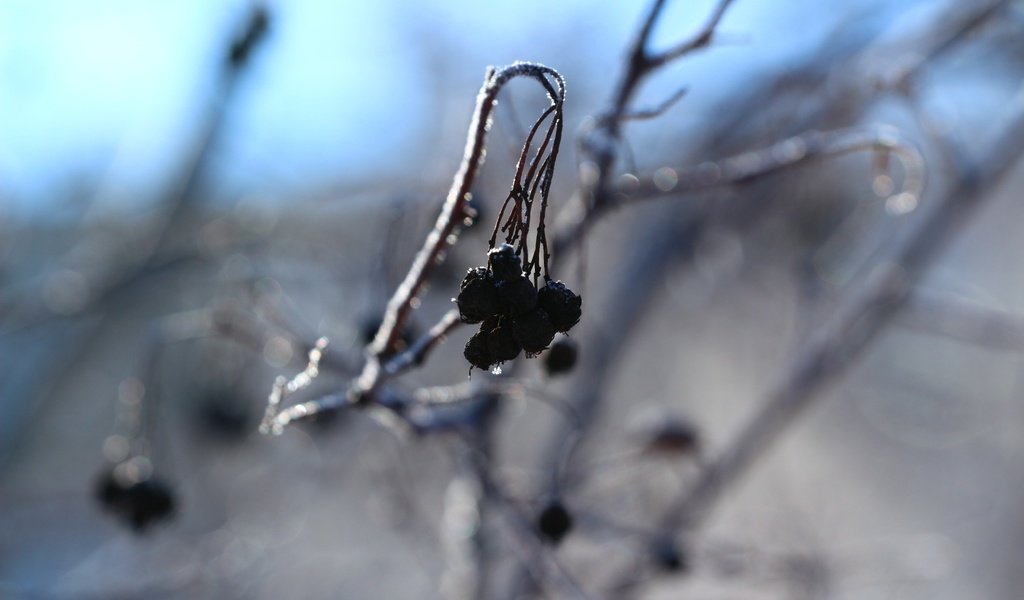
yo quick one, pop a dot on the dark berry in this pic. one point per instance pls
(136, 502)
(502, 343)
(563, 306)
(668, 556)
(478, 298)
(111, 490)
(478, 351)
(554, 522)
(505, 263)
(517, 296)
(151, 500)
(533, 331)
(561, 358)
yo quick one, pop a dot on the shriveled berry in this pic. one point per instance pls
(505, 263)
(478, 351)
(502, 343)
(561, 357)
(533, 331)
(478, 297)
(517, 296)
(562, 305)
(554, 521)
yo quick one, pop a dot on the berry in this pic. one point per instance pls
(561, 358)
(478, 352)
(517, 296)
(110, 489)
(505, 263)
(554, 522)
(562, 305)
(502, 343)
(533, 331)
(136, 502)
(151, 500)
(478, 297)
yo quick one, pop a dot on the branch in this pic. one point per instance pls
(699, 41)
(797, 150)
(840, 342)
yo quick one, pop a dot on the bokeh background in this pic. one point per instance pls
(157, 169)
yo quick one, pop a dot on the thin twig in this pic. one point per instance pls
(797, 150)
(656, 111)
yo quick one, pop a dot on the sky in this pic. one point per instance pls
(101, 100)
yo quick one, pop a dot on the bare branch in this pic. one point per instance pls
(797, 150)
(829, 352)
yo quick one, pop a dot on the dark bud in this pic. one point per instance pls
(501, 342)
(478, 297)
(533, 331)
(562, 305)
(561, 358)
(668, 556)
(517, 296)
(478, 352)
(505, 263)
(554, 522)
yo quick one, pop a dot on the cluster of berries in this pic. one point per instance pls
(515, 315)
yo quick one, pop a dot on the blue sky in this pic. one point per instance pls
(104, 95)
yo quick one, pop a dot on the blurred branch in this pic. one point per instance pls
(962, 320)
(833, 348)
(114, 267)
(797, 150)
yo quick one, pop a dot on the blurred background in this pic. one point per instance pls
(192, 192)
